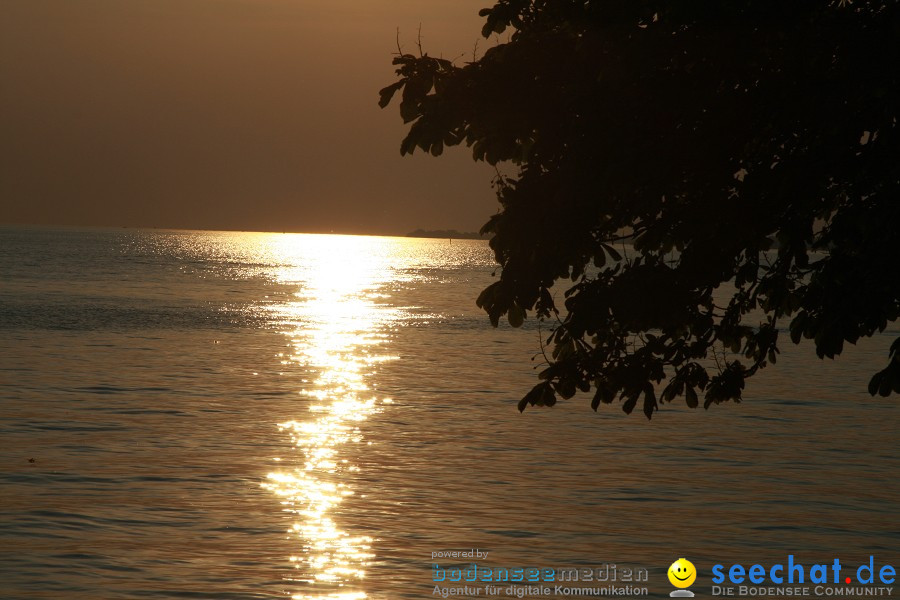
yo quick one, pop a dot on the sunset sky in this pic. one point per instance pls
(225, 114)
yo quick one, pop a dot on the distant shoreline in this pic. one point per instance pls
(438, 233)
(446, 233)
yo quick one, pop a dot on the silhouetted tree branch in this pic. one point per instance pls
(750, 146)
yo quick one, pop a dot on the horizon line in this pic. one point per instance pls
(285, 232)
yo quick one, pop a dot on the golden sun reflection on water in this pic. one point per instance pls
(335, 324)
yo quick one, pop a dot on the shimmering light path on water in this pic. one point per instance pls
(337, 323)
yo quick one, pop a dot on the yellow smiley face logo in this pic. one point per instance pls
(682, 573)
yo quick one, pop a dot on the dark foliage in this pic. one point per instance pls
(670, 155)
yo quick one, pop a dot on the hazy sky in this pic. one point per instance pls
(225, 114)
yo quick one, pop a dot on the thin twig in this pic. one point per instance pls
(399, 48)
(541, 343)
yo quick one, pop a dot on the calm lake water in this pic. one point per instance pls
(239, 415)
